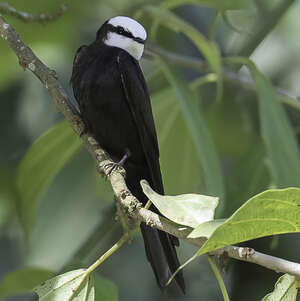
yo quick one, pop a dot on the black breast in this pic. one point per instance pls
(98, 90)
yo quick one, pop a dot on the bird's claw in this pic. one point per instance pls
(112, 167)
(120, 164)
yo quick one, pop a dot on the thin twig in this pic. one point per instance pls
(6, 9)
(218, 277)
(28, 60)
(107, 254)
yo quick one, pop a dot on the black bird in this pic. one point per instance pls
(114, 102)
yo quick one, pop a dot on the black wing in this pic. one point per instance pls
(160, 246)
(78, 63)
(138, 99)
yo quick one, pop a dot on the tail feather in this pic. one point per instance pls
(162, 256)
(159, 245)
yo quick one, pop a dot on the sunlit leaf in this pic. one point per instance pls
(186, 209)
(204, 145)
(268, 213)
(43, 161)
(208, 48)
(74, 285)
(285, 289)
(22, 280)
(206, 229)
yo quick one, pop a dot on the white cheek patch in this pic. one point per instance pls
(134, 48)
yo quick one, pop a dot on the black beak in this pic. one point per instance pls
(139, 40)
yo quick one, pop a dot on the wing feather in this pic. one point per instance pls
(138, 99)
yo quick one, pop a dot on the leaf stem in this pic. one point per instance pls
(219, 278)
(107, 254)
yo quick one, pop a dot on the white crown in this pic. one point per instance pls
(134, 48)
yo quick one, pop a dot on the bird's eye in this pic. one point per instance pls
(121, 30)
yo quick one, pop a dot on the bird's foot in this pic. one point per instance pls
(116, 165)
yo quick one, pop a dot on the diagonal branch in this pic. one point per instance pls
(6, 9)
(28, 60)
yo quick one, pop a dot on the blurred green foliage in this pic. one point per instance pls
(217, 138)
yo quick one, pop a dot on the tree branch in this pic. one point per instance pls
(6, 9)
(28, 60)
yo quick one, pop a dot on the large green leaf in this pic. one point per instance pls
(279, 138)
(203, 142)
(218, 4)
(22, 281)
(285, 289)
(271, 212)
(185, 209)
(208, 48)
(43, 161)
(74, 285)
(278, 135)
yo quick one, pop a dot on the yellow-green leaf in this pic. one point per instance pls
(285, 289)
(268, 213)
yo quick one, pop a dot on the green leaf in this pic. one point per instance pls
(285, 289)
(206, 229)
(105, 289)
(75, 285)
(173, 134)
(278, 135)
(218, 4)
(186, 209)
(22, 281)
(208, 48)
(203, 142)
(279, 138)
(268, 213)
(43, 161)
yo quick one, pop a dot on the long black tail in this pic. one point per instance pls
(162, 256)
(159, 246)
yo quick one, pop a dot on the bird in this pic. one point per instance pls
(114, 103)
